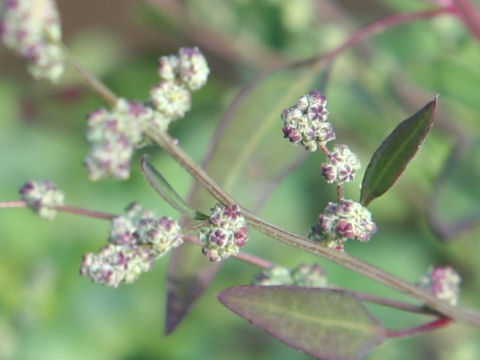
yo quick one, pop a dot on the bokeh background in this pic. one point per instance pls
(47, 311)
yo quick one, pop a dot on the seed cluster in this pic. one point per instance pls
(42, 197)
(339, 222)
(32, 29)
(304, 275)
(225, 234)
(136, 240)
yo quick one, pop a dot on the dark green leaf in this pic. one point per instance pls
(396, 151)
(324, 323)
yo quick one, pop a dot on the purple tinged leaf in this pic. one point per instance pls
(324, 323)
(391, 158)
(184, 285)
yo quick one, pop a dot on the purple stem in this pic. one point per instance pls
(13, 204)
(85, 212)
(434, 325)
(375, 27)
(468, 13)
(64, 208)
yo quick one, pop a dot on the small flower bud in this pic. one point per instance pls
(276, 275)
(225, 234)
(342, 221)
(113, 135)
(161, 234)
(115, 264)
(42, 197)
(168, 67)
(303, 275)
(123, 226)
(193, 68)
(32, 29)
(189, 68)
(136, 239)
(341, 165)
(443, 283)
(309, 276)
(305, 123)
(170, 99)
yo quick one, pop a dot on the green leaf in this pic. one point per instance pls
(166, 191)
(390, 159)
(324, 323)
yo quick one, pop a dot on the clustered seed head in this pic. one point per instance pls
(309, 276)
(136, 240)
(275, 275)
(443, 283)
(305, 123)
(115, 264)
(124, 226)
(42, 197)
(339, 222)
(181, 74)
(170, 99)
(341, 165)
(113, 136)
(304, 275)
(32, 29)
(189, 68)
(160, 234)
(225, 234)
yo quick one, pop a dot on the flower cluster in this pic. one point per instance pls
(42, 197)
(339, 222)
(305, 123)
(114, 135)
(136, 240)
(225, 234)
(32, 29)
(304, 275)
(180, 75)
(443, 283)
(341, 165)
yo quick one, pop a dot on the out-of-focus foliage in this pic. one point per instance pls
(47, 311)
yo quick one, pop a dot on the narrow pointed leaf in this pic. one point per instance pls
(390, 159)
(324, 323)
(166, 191)
(240, 162)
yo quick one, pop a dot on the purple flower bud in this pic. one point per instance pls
(305, 123)
(42, 197)
(443, 283)
(226, 233)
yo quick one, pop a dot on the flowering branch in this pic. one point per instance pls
(343, 259)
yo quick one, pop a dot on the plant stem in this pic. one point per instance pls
(467, 12)
(400, 305)
(341, 258)
(61, 208)
(245, 257)
(376, 27)
(85, 212)
(95, 84)
(434, 325)
(13, 204)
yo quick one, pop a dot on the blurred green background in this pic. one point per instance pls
(47, 311)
